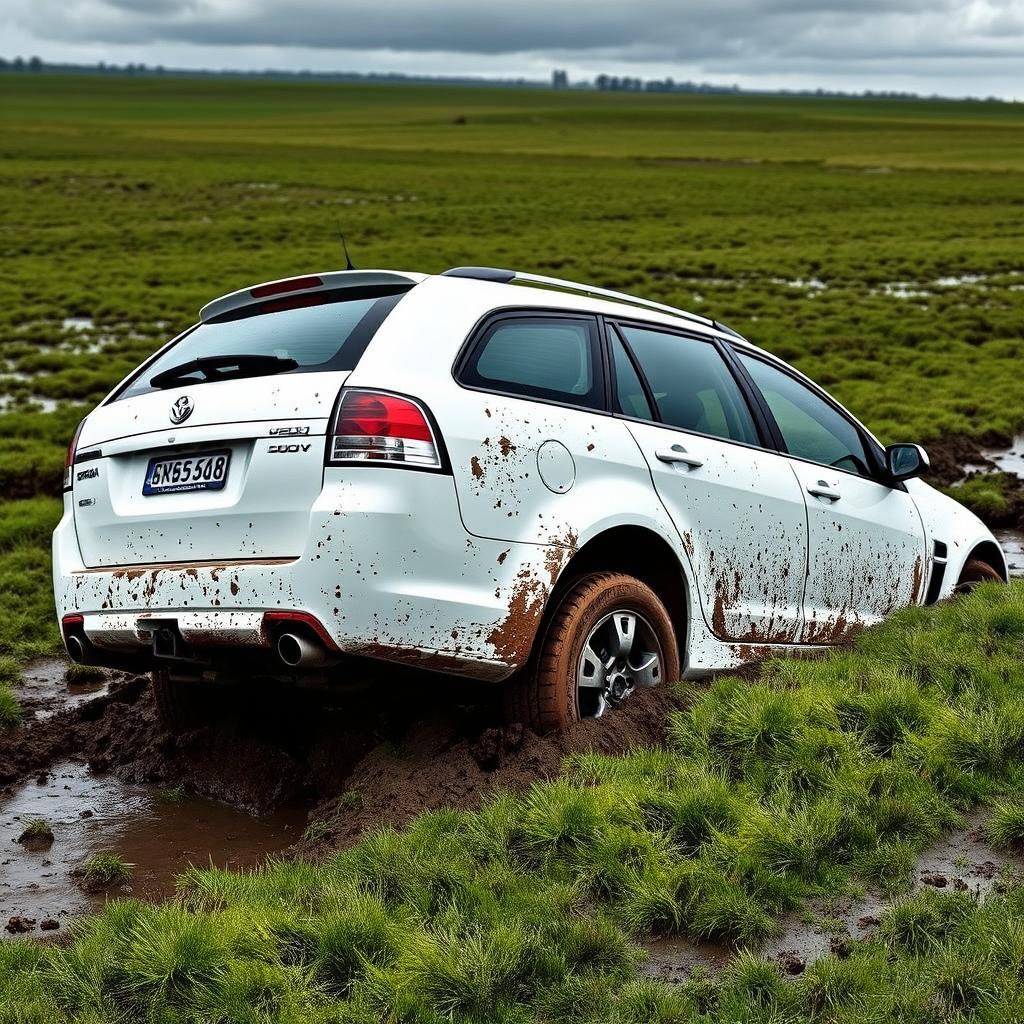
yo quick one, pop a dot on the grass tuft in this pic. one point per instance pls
(105, 869)
(1006, 825)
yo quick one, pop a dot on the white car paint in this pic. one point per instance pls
(453, 570)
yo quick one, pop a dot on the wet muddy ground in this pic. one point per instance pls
(45, 691)
(962, 861)
(92, 761)
(159, 832)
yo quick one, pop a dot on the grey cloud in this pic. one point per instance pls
(772, 36)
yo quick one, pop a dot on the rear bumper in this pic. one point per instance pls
(388, 571)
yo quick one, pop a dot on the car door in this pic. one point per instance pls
(866, 539)
(737, 505)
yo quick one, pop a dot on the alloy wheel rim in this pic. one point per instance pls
(621, 653)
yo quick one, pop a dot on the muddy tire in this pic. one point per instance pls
(609, 635)
(179, 703)
(975, 573)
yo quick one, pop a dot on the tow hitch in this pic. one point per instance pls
(168, 642)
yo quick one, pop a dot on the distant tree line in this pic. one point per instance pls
(615, 83)
(559, 80)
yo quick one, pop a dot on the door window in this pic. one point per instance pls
(811, 428)
(691, 384)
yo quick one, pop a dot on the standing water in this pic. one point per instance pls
(159, 833)
(1011, 460)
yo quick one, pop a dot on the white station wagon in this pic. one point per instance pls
(484, 473)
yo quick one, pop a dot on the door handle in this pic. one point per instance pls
(822, 490)
(677, 453)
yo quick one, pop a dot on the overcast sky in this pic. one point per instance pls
(953, 47)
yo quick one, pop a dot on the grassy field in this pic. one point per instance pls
(822, 776)
(874, 243)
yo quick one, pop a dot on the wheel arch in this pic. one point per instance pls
(636, 551)
(989, 552)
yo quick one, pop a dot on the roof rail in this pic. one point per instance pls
(518, 277)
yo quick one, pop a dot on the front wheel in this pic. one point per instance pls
(975, 573)
(609, 635)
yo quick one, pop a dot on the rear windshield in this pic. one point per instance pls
(331, 336)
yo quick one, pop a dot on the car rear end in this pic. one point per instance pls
(229, 506)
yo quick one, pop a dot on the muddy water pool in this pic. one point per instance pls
(159, 832)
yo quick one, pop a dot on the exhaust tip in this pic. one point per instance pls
(290, 649)
(76, 649)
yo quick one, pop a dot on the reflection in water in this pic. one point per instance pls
(1013, 547)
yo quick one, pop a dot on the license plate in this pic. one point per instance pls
(207, 471)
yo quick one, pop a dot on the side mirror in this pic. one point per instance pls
(906, 461)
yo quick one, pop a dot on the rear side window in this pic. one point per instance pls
(329, 336)
(553, 358)
(693, 388)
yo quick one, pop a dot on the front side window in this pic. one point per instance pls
(550, 358)
(692, 387)
(811, 428)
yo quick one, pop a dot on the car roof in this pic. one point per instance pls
(488, 288)
(533, 291)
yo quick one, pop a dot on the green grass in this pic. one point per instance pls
(824, 775)
(10, 676)
(1006, 826)
(172, 796)
(987, 495)
(104, 869)
(36, 829)
(82, 674)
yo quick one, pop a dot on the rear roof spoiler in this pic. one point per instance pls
(500, 276)
(332, 281)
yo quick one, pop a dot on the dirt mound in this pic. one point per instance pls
(439, 762)
(359, 761)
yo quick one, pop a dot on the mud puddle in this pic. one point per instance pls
(45, 690)
(963, 861)
(1012, 542)
(159, 832)
(1008, 460)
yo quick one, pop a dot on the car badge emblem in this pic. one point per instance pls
(181, 409)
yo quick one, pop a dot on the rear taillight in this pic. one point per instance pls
(69, 459)
(372, 426)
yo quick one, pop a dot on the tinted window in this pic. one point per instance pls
(811, 428)
(691, 384)
(540, 357)
(630, 399)
(331, 336)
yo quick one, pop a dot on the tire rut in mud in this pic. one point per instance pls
(375, 758)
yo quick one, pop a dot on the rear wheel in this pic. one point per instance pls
(180, 703)
(975, 573)
(609, 635)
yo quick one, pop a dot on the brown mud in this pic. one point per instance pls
(99, 769)
(956, 459)
(159, 833)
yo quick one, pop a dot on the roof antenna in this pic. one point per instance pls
(348, 259)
